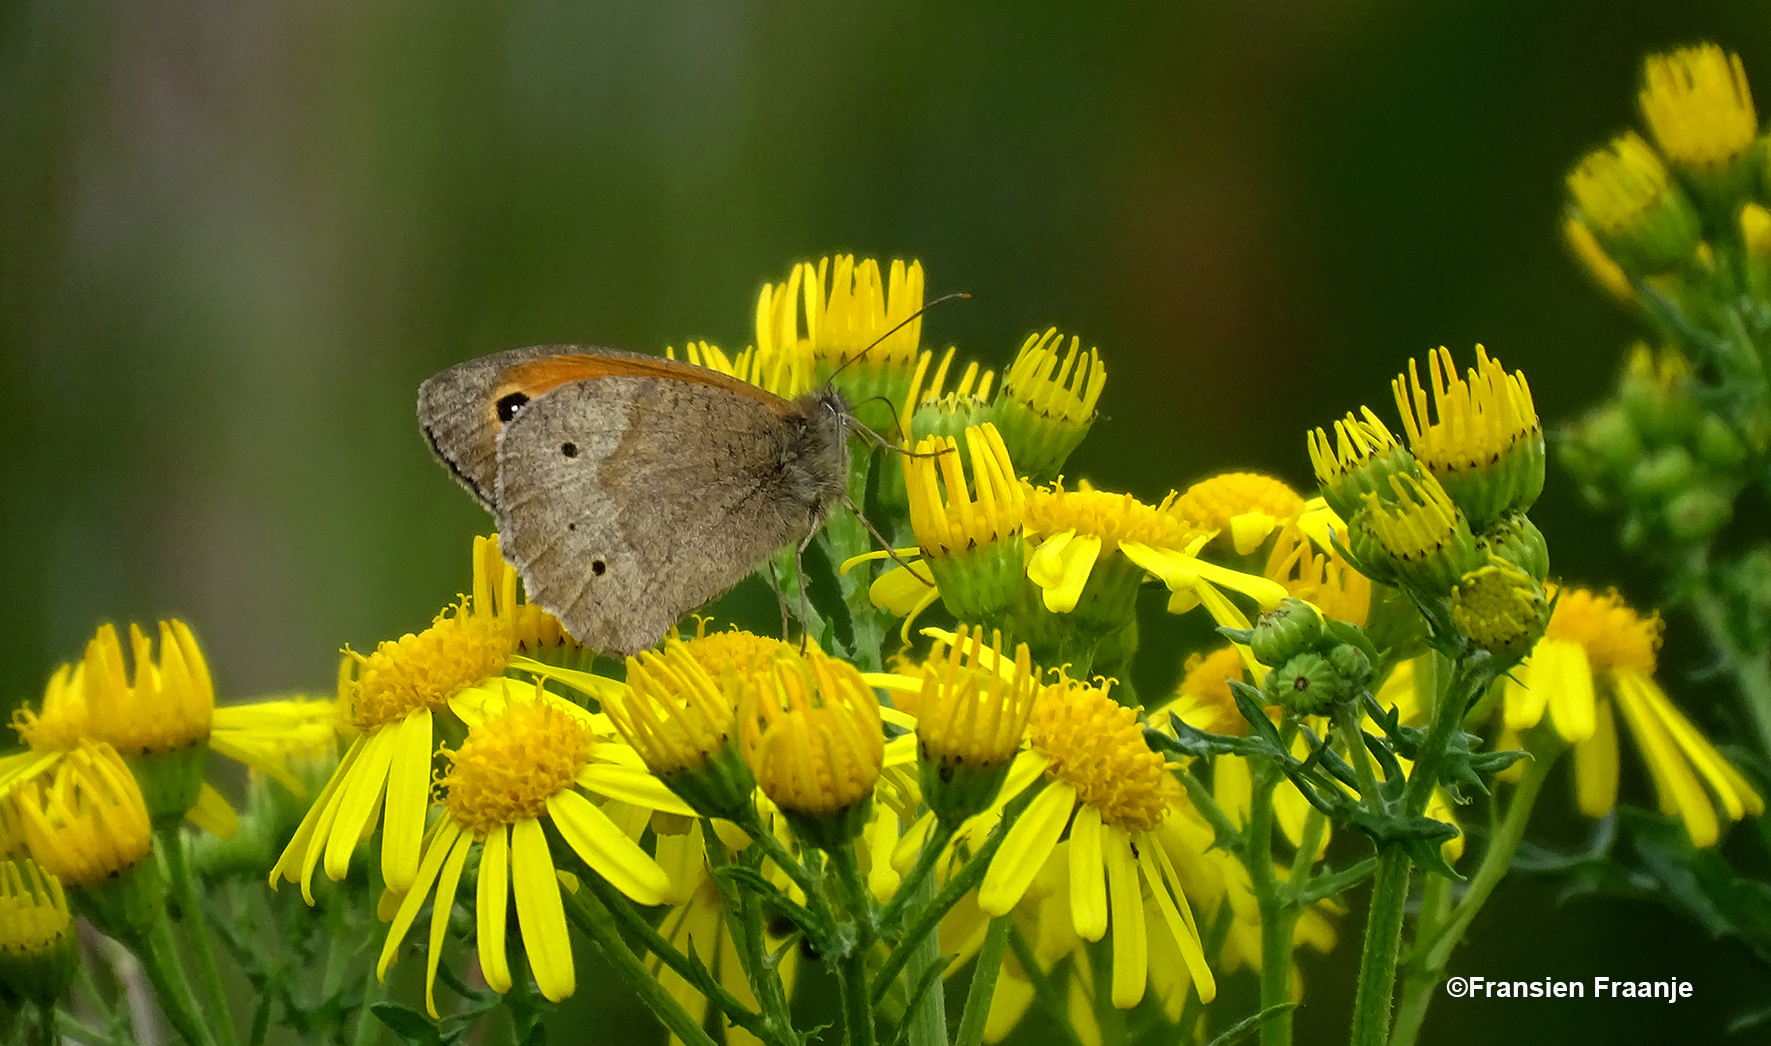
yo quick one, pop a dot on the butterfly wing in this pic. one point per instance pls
(627, 501)
(464, 409)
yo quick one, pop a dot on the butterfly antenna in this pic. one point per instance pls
(906, 321)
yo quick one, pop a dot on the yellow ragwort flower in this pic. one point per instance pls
(1481, 441)
(784, 371)
(1598, 654)
(809, 729)
(1420, 536)
(933, 409)
(87, 822)
(1047, 402)
(38, 956)
(1607, 273)
(1359, 460)
(1243, 507)
(1320, 577)
(1627, 198)
(527, 759)
(1127, 820)
(1698, 107)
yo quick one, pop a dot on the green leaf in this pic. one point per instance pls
(1247, 1026)
(410, 1025)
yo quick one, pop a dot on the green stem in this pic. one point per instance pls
(928, 917)
(368, 1028)
(159, 957)
(983, 988)
(1438, 931)
(1353, 739)
(1472, 676)
(928, 1021)
(196, 931)
(1383, 940)
(1276, 915)
(66, 1024)
(589, 915)
(857, 1006)
(1752, 670)
(911, 887)
(1056, 1007)
(744, 923)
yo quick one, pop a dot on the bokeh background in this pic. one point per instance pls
(235, 237)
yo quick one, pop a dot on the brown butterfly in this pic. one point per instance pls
(630, 489)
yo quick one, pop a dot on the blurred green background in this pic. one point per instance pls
(235, 237)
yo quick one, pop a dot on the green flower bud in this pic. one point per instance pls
(1501, 609)
(1291, 628)
(1351, 664)
(1611, 437)
(1698, 512)
(1661, 474)
(1717, 445)
(1305, 685)
(1518, 541)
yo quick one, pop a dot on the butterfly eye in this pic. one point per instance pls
(509, 405)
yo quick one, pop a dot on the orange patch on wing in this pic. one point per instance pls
(533, 379)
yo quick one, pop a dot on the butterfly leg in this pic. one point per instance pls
(883, 543)
(780, 601)
(799, 573)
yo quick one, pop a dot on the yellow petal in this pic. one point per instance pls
(540, 912)
(1736, 795)
(408, 797)
(636, 787)
(1674, 783)
(1088, 880)
(1026, 849)
(1560, 667)
(1165, 884)
(438, 851)
(297, 863)
(1522, 703)
(213, 814)
(1248, 530)
(1595, 765)
(900, 589)
(491, 905)
(1060, 567)
(447, 883)
(1131, 949)
(359, 800)
(607, 849)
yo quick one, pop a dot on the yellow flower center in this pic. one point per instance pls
(1698, 105)
(1615, 187)
(1479, 420)
(1056, 388)
(457, 651)
(1499, 607)
(1097, 746)
(1212, 503)
(734, 650)
(1114, 518)
(1614, 635)
(33, 910)
(512, 763)
(1205, 702)
(1321, 578)
(961, 516)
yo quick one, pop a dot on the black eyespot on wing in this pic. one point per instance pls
(571, 526)
(509, 405)
(598, 567)
(570, 450)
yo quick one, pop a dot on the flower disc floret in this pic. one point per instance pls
(513, 763)
(1424, 536)
(810, 731)
(974, 703)
(1244, 507)
(34, 916)
(166, 705)
(422, 671)
(1047, 402)
(1626, 196)
(1612, 634)
(1359, 460)
(1096, 745)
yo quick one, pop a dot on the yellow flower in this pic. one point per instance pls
(38, 957)
(1698, 107)
(391, 698)
(1421, 537)
(1047, 402)
(809, 729)
(1501, 609)
(932, 409)
(1126, 816)
(1598, 655)
(971, 715)
(528, 759)
(680, 717)
(88, 823)
(1203, 700)
(1626, 197)
(1323, 579)
(1243, 507)
(1360, 460)
(780, 369)
(1486, 446)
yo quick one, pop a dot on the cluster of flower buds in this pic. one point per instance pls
(1317, 665)
(1676, 226)
(1444, 520)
